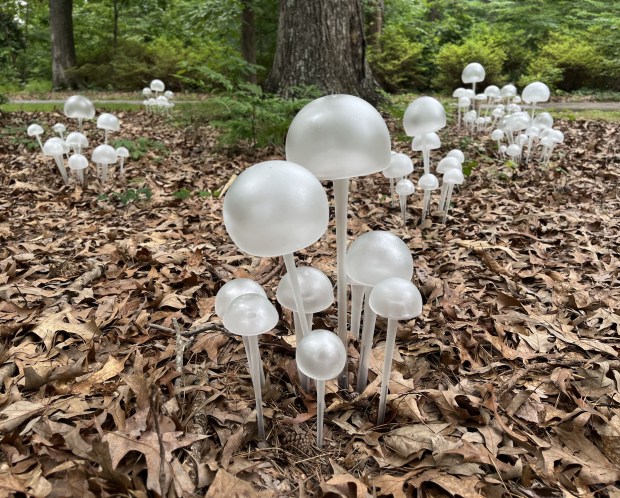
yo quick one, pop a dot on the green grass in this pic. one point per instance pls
(588, 115)
(113, 107)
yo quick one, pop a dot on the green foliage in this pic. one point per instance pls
(128, 196)
(140, 147)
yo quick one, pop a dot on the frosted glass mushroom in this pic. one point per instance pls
(357, 302)
(508, 92)
(535, 93)
(428, 183)
(425, 144)
(451, 178)
(395, 299)
(60, 129)
(463, 105)
(404, 188)
(103, 156)
(400, 166)
(122, 153)
(423, 116)
(321, 355)
(107, 122)
(157, 86)
(371, 258)
(513, 151)
(458, 154)
(444, 165)
(78, 163)
(230, 291)
(80, 108)
(36, 130)
(473, 73)
(497, 135)
(77, 141)
(338, 137)
(544, 120)
(458, 94)
(250, 315)
(53, 148)
(147, 92)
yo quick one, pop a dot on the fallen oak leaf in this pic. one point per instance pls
(227, 485)
(110, 369)
(17, 413)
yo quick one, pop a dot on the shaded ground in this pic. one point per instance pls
(507, 385)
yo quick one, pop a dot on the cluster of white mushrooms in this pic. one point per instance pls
(157, 99)
(74, 144)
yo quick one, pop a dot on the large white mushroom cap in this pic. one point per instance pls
(473, 73)
(35, 130)
(400, 165)
(508, 91)
(424, 115)
(428, 182)
(431, 142)
(75, 139)
(107, 121)
(157, 86)
(104, 154)
(448, 163)
(78, 106)
(453, 177)
(78, 162)
(52, 147)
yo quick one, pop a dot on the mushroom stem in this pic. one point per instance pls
(122, 170)
(40, 144)
(320, 411)
(61, 167)
(104, 172)
(426, 203)
(533, 110)
(299, 335)
(403, 207)
(357, 301)
(289, 262)
(255, 362)
(459, 116)
(80, 125)
(447, 202)
(105, 136)
(390, 341)
(425, 156)
(309, 319)
(442, 196)
(392, 195)
(368, 331)
(80, 175)
(246, 344)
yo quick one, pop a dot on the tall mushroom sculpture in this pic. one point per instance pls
(80, 108)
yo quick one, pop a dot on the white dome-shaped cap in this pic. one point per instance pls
(424, 115)
(498, 112)
(454, 177)
(232, 289)
(480, 97)
(76, 139)
(431, 142)
(502, 149)
(321, 355)
(508, 91)
(473, 73)
(157, 86)
(536, 92)
(77, 162)
(459, 92)
(543, 120)
(375, 256)
(59, 128)
(428, 182)
(78, 106)
(275, 208)
(556, 135)
(449, 163)
(63, 144)
(400, 165)
(470, 116)
(147, 92)
(497, 134)
(122, 152)
(464, 101)
(492, 91)
(250, 314)
(513, 150)
(396, 299)
(107, 121)
(104, 154)
(405, 187)
(518, 121)
(317, 292)
(339, 136)
(458, 154)
(52, 147)
(169, 94)
(34, 130)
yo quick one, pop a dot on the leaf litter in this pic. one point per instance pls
(507, 385)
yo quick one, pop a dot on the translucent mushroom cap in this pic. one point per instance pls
(431, 142)
(400, 165)
(104, 154)
(78, 162)
(518, 121)
(122, 152)
(516, 99)
(428, 182)
(168, 94)
(498, 112)
(480, 97)
(543, 120)
(61, 142)
(556, 135)
(513, 108)
(76, 139)
(502, 149)
(424, 115)
(547, 142)
(522, 139)
(464, 101)
(480, 120)
(157, 86)
(449, 163)
(232, 289)
(470, 116)
(107, 121)
(453, 177)
(250, 314)
(470, 93)
(459, 92)
(492, 92)
(321, 355)
(375, 256)
(533, 131)
(52, 148)
(473, 73)
(405, 187)
(59, 128)
(339, 136)
(536, 92)
(497, 134)
(317, 292)
(458, 154)
(162, 101)
(513, 150)
(78, 106)
(147, 92)
(275, 208)
(396, 299)
(508, 91)
(34, 130)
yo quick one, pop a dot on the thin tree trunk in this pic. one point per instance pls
(321, 43)
(248, 37)
(63, 43)
(376, 26)
(115, 27)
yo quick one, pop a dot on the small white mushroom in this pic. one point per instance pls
(77, 141)
(107, 122)
(122, 153)
(78, 163)
(60, 129)
(103, 156)
(36, 130)
(428, 183)
(53, 148)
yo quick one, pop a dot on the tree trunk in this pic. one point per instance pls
(63, 44)
(376, 26)
(248, 37)
(115, 13)
(321, 43)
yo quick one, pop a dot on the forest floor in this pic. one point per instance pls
(508, 384)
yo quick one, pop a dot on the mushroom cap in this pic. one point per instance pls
(63, 144)
(556, 135)
(492, 91)
(470, 116)
(449, 163)
(480, 96)
(375, 256)
(428, 182)
(59, 128)
(470, 93)
(508, 91)
(162, 100)
(480, 120)
(547, 142)
(321, 355)
(473, 73)
(458, 154)
(536, 92)
(339, 136)
(232, 289)
(512, 108)
(518, 121)
(34, 130)
(52, 148)
(168, 94)
(497, 134)
(502, 149)
(396, 299)
(516, 99)
(431, 140)
(147, 92)
(78, 106)
(459, 92)
(250, 314)
(317, 292)
(78, 162)
(405, 187)
(533, 131)
(157, 86)
(76, 139)
(543, 120)
(453, 177)
(275, 208)
(513, 150)
(497, 112)
(107, 121)
(400, 165)
(424, 115)
(464, 101)
(122, 152)
(104, 154)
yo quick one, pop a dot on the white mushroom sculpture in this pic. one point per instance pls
(103, 156)
(109, 123)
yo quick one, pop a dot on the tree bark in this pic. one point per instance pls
(63, 43)
(248, 37)
(376, 26)
(321, 43)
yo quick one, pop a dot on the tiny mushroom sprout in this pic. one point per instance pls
(54, 148)
(473, 73)
(400, 166)
(428, 183)
(497, 135)
(36, 130)
(404, 188)
(321, 355)
(107, 122)
(250, 315)
(76, 141)
(448, 162)
(80, 108)
(103, 156)
(424, 115)
(451, 178)
(78, 163)
(395, 299)
(535, 93)
(122, 153)
(60, 129)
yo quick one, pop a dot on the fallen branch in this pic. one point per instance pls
(76, 287)
(190, 332)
